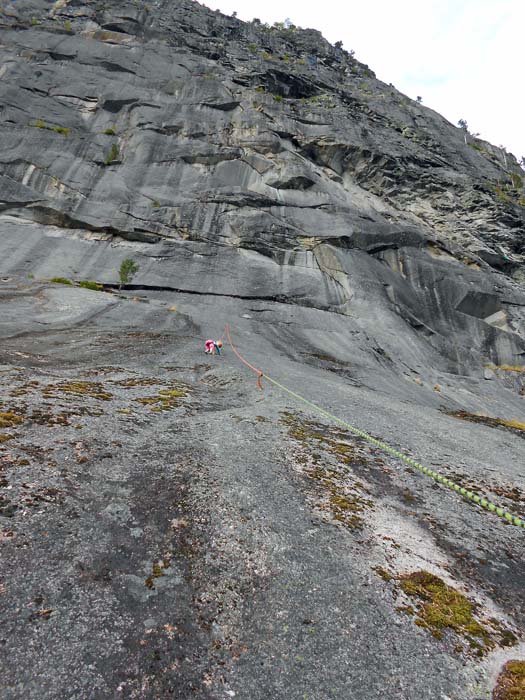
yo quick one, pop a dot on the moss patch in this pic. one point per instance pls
(157, 571)
(345, 508)
(166, 399)
(383, 573)
(45, 416)
(48, 494)
(508, 639)
(514, 425)
(442, 607)
(93, 390)
(8, 419)
(511, 682)
(513, 494)
(346, 448)
(135, 381)
(336, 491)
(18, 392)
(408, 497)
(107, 369)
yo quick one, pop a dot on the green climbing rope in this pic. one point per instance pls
(470, 495)
(483, 502)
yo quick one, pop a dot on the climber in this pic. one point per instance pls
(213, 346)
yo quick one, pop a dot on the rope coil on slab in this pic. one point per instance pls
(439, 478)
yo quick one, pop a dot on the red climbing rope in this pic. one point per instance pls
(257, 371)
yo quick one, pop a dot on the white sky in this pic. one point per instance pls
(466, 58)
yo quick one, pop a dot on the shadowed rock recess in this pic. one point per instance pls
(166, 530)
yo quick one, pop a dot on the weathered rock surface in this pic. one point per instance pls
(174, 124)
(167, 531)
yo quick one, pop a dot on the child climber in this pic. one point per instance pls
(213, 346)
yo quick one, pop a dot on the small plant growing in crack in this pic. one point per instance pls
(90, 284)
(113, 154)
(40, 124)
(61, 280)
(128, 269)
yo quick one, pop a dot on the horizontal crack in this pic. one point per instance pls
(279, 298)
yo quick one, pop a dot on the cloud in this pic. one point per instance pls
(463, 56)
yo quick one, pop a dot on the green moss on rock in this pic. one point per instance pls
(442, 607)
(93, 390)
(511, 682)
(165, 399)
(383, 573)
(157, 571)
(492, 422)
(8, 419)
(337, 492)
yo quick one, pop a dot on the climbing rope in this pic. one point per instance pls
(470, 495)
(258, 372)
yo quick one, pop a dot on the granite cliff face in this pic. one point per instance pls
(169, 532)
(278, 157)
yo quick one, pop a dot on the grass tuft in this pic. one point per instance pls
(40, 124)
(90, 284)
(113, 154)
(61, 280)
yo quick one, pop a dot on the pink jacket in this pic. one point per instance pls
(209, 345)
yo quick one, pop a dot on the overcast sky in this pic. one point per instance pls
(465, 58)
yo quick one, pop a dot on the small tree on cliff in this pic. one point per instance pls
(462, 123)
(128, 268)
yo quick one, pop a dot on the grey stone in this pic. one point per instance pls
(188, 545)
